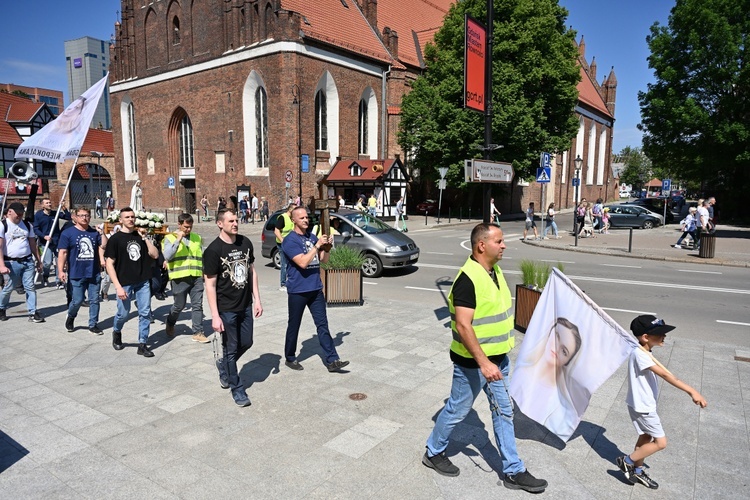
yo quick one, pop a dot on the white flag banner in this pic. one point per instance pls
(63, 137)
(570, 349)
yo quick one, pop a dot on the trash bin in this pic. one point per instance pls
(708, 246)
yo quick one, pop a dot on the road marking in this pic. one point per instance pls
(628, 311)
(369, 283)
(703, 272)
(732, 322)
(621, 265)
(438, 253)
(466, 244)
(553, 261)
(423, 289)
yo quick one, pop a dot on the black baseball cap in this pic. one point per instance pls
(16, 207)
(649, 324)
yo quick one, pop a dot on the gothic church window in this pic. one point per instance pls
(321, 121)
(261, 127)
(362, 135)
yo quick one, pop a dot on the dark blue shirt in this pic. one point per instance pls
(43, 223)
(300, 280)
(83, 251)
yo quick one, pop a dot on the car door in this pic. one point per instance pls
(349, 235)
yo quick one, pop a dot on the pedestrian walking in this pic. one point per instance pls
(129, 255)
(20, 260)
(482, 324)
(551, 222)
(643, 392)
(233, 297)
(183, 252)
(46, 231)
(305, 252)
(80, 256)
(530, 223)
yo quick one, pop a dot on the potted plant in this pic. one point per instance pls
(342, 276)
(534, 276)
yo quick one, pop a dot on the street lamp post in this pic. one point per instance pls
(298, 102)
(98, 155)
(578, 163)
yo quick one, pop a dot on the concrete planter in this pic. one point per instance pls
(342, 287)
(526, 300)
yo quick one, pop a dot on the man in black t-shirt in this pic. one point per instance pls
(129, 255)
(233, 297)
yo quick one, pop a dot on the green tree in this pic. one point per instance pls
(696, 116)
(638, 167)
(534, 76)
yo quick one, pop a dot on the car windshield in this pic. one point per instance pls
(366, 223)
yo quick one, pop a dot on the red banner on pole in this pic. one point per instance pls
(474, 64)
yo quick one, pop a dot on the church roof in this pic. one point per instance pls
(588, 94)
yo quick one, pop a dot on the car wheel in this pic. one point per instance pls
(372, 267)
(648, 224)
(276, 258)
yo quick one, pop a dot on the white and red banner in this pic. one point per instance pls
(570, 349)
(63, 137)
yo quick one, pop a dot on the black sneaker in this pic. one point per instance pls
(69, 324)
(625, 467)
(294, 365)
(336, 366)
(36, 317)
(3, 316)
(525, 481)
(117, 340)
(240, 398)
(643, 479)
(144, 351)
(441, 464)
(96, 330)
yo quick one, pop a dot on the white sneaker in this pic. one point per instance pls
(282, 289)
(678, 246)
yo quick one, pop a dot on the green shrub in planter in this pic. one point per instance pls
(535, 274)
(344, 257)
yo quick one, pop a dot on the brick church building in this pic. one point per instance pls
(217, 94)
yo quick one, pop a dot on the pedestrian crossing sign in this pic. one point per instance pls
(543, 174)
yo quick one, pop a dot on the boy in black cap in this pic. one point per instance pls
(642, 393)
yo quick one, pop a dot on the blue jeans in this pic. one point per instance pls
(467, 382)
(550, 224)
(685, 233)
(49, 257)
(316, 302)
(141, 292)
(20, 271)
(91, 286)
(282, 276)
(236, 340)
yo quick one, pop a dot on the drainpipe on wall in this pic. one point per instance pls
(384, 115)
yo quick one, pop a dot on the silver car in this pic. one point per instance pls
(383, 246)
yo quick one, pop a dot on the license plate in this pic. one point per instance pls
(414, 257)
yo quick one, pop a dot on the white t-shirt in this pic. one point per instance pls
(16, 239)
(643, 388)
(529, 214)
(702, 216)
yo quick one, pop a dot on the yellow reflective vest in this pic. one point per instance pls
(188, 261)
(493, 316)
(288, 226)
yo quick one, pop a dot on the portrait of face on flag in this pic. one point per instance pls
(63, 137)
(570, 349)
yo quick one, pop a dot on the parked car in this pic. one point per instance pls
(628, 215)
(624, 193)
(429, 206)
(655, 205)
(383, 246)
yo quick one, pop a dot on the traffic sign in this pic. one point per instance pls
(288, 176)
(666, 187)
(170, 182)
(442, 184)
(545, 160)
(492, 171)
(576, 182)
(543, 174)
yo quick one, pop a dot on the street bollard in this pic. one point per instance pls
(460, 214)
(449, 215)
(576, 235)
(425, 217)
(630, 241)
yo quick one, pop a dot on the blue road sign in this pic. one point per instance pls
(543, 174)
(305, 163)
(170, 182)
(545, 160)
(575, 182)
(666, 187)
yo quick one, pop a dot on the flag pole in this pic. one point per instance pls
(57, 214)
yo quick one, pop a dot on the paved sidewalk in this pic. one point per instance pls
(80, 420)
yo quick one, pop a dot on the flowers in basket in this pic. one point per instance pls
(149, 219)
(114, 216)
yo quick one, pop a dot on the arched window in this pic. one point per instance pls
(261, 127)
(127, 122)
(175, 30)
(591, 156)
(186, 143)
(321, 121)
(600, 171)
(362, 135)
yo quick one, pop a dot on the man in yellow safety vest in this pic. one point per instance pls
(183, 253)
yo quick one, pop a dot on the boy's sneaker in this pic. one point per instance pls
(625, 467)
(643, 479)
(3, 316)
(678, 246)
(525, 481)
(441, 464)
(36, 318)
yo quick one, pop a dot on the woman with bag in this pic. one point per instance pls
(688, 225)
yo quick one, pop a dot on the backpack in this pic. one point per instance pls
(597, 210)
(25, 223)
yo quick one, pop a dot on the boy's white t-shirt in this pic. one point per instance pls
(643, 388)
